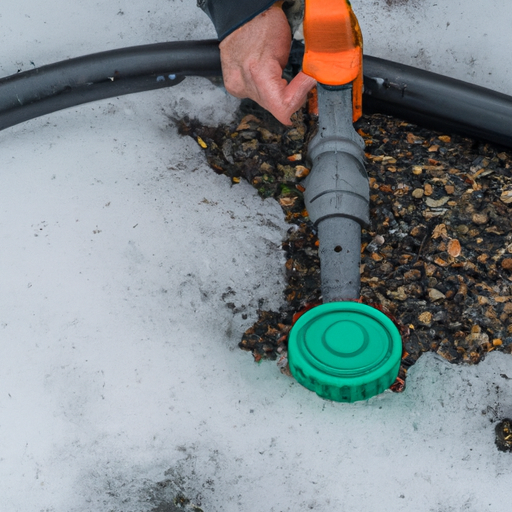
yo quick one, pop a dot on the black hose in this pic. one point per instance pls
(103, 75)
(435, 101)
(414, 95)
(70, 97)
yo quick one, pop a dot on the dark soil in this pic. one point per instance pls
(437, 257)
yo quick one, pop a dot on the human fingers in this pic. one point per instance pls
(280, 98)
(297, 90)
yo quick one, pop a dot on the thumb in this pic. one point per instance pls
(295, 93)
(282, 99)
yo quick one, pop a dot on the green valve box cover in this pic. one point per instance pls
(345, 351)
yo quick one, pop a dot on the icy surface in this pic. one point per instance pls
(129, 272)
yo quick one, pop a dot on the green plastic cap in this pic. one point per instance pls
(345, 351)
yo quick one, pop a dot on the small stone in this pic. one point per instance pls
(506, 196)
(477, 339)
(400, 294)
(441, 262)
(412, 275)
(417, 170)
(462, 229)
(418, 193)
(430, 269)
(430, 214)
(250, 146)
(428, 189)
(445, 138)
(296, 134)
(413, 139)
(449, 189)
(480, 219)
(490, 312)
(440, 231)
(507, 264)
(425, 318)
(301, 171)
(432, 282)
(419, 231)
(435, 294)
(433, 203)
(454, 248)
(374, 245)
(287, 201)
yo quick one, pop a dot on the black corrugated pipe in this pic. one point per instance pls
(414, 95)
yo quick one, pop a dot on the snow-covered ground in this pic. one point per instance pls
(121, 382)
(465, 39)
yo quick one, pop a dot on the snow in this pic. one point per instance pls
(464, 39)
(122, 383)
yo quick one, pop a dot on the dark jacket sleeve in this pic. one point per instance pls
(228, 15)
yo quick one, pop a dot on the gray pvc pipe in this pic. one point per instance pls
(337, 194)
(340, 258)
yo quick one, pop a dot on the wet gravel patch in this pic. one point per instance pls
(437, 256)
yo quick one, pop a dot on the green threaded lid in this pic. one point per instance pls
(345, 351)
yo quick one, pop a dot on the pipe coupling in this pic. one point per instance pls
(338, 184)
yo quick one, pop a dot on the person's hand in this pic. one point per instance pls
(253, 58)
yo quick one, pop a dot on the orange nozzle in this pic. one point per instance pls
(334, 46)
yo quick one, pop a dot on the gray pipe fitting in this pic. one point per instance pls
(337, 194)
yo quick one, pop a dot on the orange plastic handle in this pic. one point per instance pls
(334, 46)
